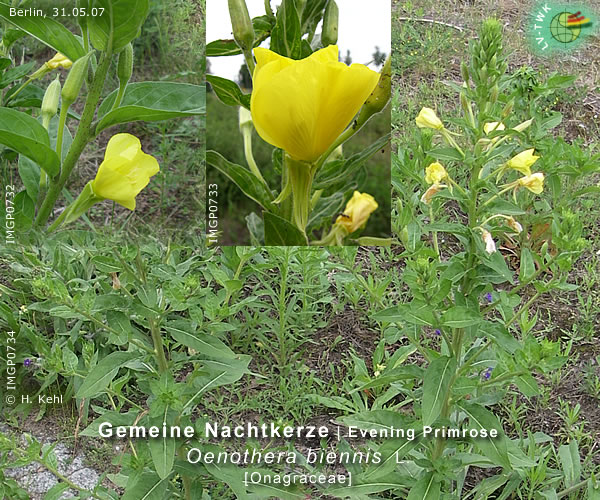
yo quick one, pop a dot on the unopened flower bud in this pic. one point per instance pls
(329, 34)
(465, 72)
(243, 31)
(380, 96)
(523, 126)
(50, 101)
(494, 94)
(125, 65)
(74, 80)
(508, 108)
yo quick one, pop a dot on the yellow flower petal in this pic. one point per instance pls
(435, 173)
(523, 161)
(59, 61)
(493, 127)
(533, 182)
(428, 119)
(303, 106)
(357, 211)
(125, 171)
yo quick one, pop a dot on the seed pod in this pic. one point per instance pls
(329, 35)
(74, 80)
(381, 93)
(125, 65)
(50, 101)
(243, 31)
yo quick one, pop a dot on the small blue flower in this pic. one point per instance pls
(27, 362)
(489, 297)
(487, 373)
(438, 332)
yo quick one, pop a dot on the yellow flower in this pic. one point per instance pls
(493, 127)
(523, 161)
(357, 212)
(303, 106)
(435, 173)
(428, 119)
(59, 61)
(125, 171)
(533, 182)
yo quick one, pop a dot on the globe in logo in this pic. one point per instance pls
(560, 29)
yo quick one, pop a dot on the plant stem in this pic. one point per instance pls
(524, 308)
(62, 120)
(158, 346)
(79, 142)
(572, 489)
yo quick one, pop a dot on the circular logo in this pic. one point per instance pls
(561, 31)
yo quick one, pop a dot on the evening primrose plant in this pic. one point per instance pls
(34, 121)
(472, 193)
(306, 104)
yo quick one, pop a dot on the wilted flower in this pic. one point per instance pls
(514, 225)
(523, 161)
(357, 211)
(125, 171)
(303, 106)
(431, 192)
(428, 119)
(490, 246)
(533, 182)
(493, 127)
(435, 173)
(59, 61)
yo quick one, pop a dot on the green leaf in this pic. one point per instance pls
(335, 172)
(152, 101)
(184, 332)
(121, 19)
(24, 211)
(149, 486)
(527, 268)
(280, 232)
(427, 488)
(391, 451)
(286, 35)
(493, 448)
(414, 312)
(162, 449)
(47, 31)
(16, 73)
(228, 92)
(25, 135)
(571, 462)
(103, 373)
(362, 491)
(56, 491)
(250, 185)
(460, 317)
(446, 154)
(527, 385)
(325, 209)
(436, 384)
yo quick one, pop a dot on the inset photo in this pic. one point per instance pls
(298, 123)
(102, 116)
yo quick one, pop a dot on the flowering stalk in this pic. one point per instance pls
(80, 140)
